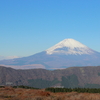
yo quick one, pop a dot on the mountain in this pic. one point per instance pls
(69, 47)
(42, 78)
(66, 53)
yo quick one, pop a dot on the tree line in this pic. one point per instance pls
(21, 86)
(79, 90)
(25, 87)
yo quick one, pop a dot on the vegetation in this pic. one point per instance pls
(92, 86)
(79, 90)
(25, 87)
(70, 82)
(2, 86)
(10, 93)
(40, 83)
(98, 74)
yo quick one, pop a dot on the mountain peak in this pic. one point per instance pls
(71, 43)
(69, 46)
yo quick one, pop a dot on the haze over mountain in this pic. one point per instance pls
(66, 53)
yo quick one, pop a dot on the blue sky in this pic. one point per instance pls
(31, 26)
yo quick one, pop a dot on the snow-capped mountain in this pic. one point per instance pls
(69, 46)
(66, 53)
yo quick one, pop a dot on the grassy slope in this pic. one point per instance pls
(9, 93)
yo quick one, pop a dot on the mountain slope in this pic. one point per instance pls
(66, 53)
(41, 78)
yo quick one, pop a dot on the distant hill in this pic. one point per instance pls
(42, 78)
(66, 53)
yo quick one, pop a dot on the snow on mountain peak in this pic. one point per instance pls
(71, 43)
(69, 46)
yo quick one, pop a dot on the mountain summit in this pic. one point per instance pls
(66, 53)
(69, 46)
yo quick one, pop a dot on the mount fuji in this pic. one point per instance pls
(67, 53)
(69, 47)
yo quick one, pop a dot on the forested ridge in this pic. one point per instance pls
(72, 77)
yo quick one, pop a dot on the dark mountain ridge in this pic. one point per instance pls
(42, 78)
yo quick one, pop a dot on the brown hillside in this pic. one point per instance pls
(85, 75)
(9, 93)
